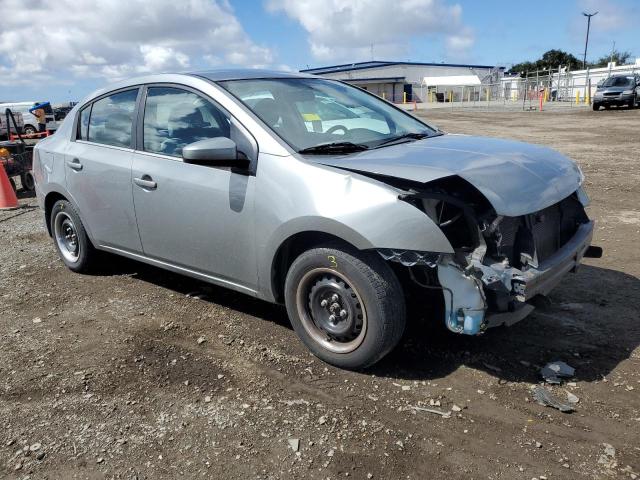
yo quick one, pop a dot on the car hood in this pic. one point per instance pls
(517, 178)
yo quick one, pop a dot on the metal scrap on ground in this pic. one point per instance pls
(545, 398)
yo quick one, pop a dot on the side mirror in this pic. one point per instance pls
(216, 152)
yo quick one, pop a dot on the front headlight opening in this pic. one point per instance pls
(454, 222)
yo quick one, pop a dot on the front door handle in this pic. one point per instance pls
(146, 182)
(75, 165)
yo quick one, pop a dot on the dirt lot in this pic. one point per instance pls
(124, 375)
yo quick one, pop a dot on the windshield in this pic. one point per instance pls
(310, 113)
(618, 82)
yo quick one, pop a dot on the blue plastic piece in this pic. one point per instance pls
(473, 322)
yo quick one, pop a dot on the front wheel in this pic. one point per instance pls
(29, 130)
(596, 106)
(346, 306)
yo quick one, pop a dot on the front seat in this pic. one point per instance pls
(268, 110)
(186, 125)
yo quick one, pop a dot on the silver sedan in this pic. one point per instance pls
(315, 194)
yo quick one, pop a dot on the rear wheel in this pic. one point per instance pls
(28, 129)
(71, 240)
(347, 306)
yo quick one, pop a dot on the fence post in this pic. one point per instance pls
(587, 96)
(404, 97)
(384, 97)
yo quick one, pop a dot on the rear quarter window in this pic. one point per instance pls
(83, 123)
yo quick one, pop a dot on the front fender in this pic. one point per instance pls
(359, 210)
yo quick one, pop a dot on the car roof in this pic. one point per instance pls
(210, 75)
(246, 73)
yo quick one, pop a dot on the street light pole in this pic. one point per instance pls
(586, 43)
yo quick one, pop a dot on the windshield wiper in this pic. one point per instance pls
(335, 147)
(406, 136)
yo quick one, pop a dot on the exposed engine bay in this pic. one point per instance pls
(501, 263)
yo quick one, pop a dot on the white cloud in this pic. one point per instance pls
(54, 40)
(340, 30)
(611, 15)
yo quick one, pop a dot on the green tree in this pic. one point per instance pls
(621, 58)
(550, 59)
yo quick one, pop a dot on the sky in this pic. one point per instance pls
(61, 50)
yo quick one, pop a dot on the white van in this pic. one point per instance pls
(30, 120)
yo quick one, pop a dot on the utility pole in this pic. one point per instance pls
(586, 43)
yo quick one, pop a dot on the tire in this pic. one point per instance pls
(28, 182)
(13, 185)
(632, 103)
(362, 292)
(596, 107)
(70, 238)
(29, 129)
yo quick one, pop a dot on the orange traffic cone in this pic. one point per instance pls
(8, 199)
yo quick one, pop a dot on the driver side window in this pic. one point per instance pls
(174, 118)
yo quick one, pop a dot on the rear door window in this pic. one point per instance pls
(111, 119)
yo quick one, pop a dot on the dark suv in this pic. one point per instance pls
(618, 90)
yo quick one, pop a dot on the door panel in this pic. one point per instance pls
(193, 216)
(98, 170)
(99, 179)
(196, 217)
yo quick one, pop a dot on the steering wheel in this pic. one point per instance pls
(337, 127)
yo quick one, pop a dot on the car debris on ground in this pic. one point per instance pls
(545, 398)
(554, 372)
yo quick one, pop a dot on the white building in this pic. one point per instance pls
(392, 80)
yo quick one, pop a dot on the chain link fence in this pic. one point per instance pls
(531, 91)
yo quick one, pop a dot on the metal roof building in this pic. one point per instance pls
(392, 80)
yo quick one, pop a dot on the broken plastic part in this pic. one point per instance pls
(410, 258)
(554, 372)
(545, 398)
(466, 305)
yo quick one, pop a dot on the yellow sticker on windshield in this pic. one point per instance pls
(311, 117)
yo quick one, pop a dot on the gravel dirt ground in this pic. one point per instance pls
(129, 374)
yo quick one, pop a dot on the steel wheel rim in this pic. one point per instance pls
(320, 284)
(67, 237)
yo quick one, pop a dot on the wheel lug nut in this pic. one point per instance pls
(334, 306)
(343, 313)
(324, 303)
(332, 318)
(334, 297)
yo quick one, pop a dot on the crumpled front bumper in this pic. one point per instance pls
(466, 289)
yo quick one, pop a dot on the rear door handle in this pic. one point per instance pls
(145, 182)
(75, 165)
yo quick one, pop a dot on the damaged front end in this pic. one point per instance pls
(500, 263)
